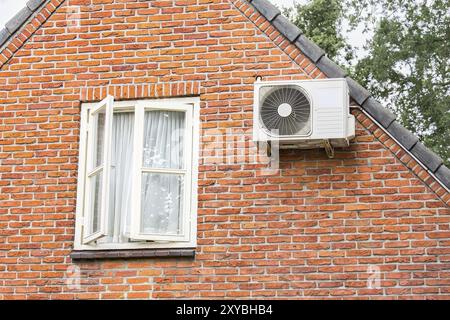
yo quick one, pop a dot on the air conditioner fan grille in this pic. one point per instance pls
(285, 109)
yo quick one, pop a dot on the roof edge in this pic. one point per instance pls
(427, 158)
(13, 26)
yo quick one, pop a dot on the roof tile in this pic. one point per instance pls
(402, 135)
(287, 28)
(443, 174)
(378, 112)
(16, 22)
(19, 19)
(426, 156)
(309, 48)
(357, 91)
(331, 69)
(268, 10)
(34, 4)
(4, 35)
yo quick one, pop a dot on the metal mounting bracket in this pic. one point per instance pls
(328, 149)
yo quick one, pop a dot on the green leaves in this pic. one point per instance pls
(321, 21)
(407, 65)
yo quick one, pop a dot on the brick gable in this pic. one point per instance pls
(311, 230)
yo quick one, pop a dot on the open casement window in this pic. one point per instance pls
(162, 172)
(137, 174)
(98, 167)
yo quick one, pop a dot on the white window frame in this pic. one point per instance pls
(105, 168)
(139, 169)
(191, 106)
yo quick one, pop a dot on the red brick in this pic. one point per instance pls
(311, 230)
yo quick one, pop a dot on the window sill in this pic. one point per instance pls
(131, 253)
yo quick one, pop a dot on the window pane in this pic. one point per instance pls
(96, 202)
(163, 139)
(162, 203)
(98, 139)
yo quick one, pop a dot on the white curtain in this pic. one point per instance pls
(120, 184)
(162, 193)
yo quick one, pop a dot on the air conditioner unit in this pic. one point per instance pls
(303, 114)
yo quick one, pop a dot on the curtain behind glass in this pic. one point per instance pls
(162, 194)
(163, 139)
(121, 174)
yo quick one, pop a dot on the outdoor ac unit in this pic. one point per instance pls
(303, 114)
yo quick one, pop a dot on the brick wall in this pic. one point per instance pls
(319, 227)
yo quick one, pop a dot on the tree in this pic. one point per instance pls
(408, 67)
(321, 21)
(407, 62)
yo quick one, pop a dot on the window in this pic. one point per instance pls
(137, 174)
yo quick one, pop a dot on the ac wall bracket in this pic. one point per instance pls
(328, 149)
(267, 148)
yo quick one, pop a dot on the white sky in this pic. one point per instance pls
(8, 8)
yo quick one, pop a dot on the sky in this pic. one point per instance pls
(8, 8)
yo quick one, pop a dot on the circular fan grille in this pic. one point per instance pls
(285, 109)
